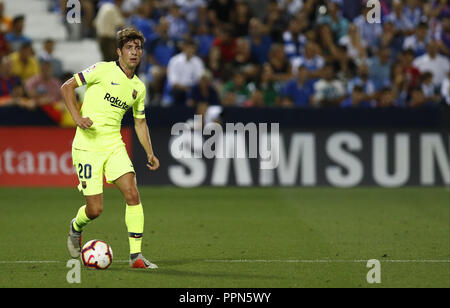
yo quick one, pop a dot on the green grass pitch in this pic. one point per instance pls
(236, 237)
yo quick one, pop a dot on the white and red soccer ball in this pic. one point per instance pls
(97, 254)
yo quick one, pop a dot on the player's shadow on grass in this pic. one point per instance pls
(165, 269)
(168, 263)
(173, 272)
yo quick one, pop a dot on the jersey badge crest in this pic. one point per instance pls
(91, 68)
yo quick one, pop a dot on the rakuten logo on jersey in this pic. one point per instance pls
(116, 102)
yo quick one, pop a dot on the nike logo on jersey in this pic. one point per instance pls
(116, 102)
(115, 84)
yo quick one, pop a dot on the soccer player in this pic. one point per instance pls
(98, 150)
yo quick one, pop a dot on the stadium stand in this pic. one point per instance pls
(272, 53)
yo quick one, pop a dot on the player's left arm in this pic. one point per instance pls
(143, 134)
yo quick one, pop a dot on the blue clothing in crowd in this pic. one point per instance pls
(197, 96)
(299, 94)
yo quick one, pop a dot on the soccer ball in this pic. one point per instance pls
(96, 254)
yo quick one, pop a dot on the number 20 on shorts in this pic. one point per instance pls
(84, 171)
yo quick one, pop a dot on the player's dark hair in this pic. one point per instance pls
(129, 34)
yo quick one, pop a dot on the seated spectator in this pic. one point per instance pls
(329, 91)
(292, 7)
(259, 41)
(178, 27)
(412, 11)
(5, 21)
(403, 26)
(312, 60)
(236, 92)
(418, 99)
(226, 43)
(445, 90)
(45, 92)
(410, 71)
(259, 8)
(47, 56)
(189, 8)
(44, 88)
(203, 94)
(204, 40)
(219, 11)
(387, 98)
(418, 42)
(294, 40)
(355, 45)
(428, 89)
(444, 36)
(4, 46)
(298, 91)
(269, 87)
(129, 7)
(385, 8)
(362, 79)
(435, 63)
(241, 19)
(161, 46)
(15, 37)
(401, 84)
(183, 72)
(17, 98)
(380, 68)
(160, 49)
(327, 43)
(202, 18)
(24, 63)
(276, 22)
(8, 82)
(390, 39)
(244, 60)
(358, 99)
(215, 64)
(256, 99)
(280, 64)
(370, 32)
(144, 20)
(334, 19)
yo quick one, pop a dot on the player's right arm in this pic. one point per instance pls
(68, 93)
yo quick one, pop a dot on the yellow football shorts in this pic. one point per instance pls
(92, 166)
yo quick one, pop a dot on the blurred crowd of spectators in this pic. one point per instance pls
(289, 53)
(28, 79)
(254, 53)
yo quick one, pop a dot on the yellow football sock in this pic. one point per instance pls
(134, 219)
(81, 220)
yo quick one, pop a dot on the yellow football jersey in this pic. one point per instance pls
(109, 94)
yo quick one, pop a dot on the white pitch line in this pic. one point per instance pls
(248, 261)
(28, 262)
(46, 261)
(324, 261)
